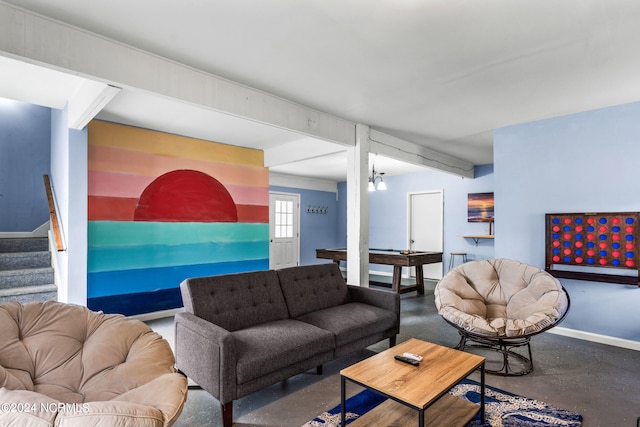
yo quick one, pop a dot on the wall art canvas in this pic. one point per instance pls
(163, 208)
(480, 207)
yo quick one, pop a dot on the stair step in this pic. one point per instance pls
(26, 274)
(29, 277)
(24, 245)
(27, 294)
(24, 260)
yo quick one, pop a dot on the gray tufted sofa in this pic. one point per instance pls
(242, 332)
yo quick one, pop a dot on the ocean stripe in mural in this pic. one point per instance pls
(118, 282)
(137, 302)
(118, 234)
(151, 256)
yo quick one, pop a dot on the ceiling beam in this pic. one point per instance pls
(90, 98)
(302, 149)
(285, 180)
(399, 149)
(53, 44)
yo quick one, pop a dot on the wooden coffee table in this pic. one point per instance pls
(420, 388)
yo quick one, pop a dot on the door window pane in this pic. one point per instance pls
(283, 219)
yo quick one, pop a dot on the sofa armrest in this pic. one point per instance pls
(383, 299)
(206, 353)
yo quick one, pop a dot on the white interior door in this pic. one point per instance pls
(426, 228)
(284, 230)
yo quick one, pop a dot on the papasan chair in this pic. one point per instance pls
(64, 365)
(499, 305)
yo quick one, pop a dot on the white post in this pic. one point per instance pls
(358, 209)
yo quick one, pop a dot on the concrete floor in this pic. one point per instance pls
(600, 382)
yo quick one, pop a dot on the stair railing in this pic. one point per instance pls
(55, 225)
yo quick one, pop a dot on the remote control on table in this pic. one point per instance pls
(415, 357)
(407, 360)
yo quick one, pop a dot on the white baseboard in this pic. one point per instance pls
(384, 273)
(41, 231)
(601, 339)
(144, 317)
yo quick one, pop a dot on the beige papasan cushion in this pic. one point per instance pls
(65, 365)
(500, 298)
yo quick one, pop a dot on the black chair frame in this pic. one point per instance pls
(505, 346)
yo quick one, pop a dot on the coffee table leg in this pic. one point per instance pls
(482, 415)
(343, 412)
(421, 418)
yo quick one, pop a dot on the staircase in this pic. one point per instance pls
(26, 274)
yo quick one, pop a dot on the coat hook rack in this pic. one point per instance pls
(317, 209)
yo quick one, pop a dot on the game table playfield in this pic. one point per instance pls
(396, 258)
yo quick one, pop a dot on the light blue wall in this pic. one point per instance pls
(587, 162)
(25, 135)
(316, 230)
(388, 212)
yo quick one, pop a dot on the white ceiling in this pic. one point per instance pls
(439, 73)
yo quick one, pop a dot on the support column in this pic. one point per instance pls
(358, 209)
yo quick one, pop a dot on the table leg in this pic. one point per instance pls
(397, 277)
(421, 418)
(419, 279)
(343, 412)
(482, 415)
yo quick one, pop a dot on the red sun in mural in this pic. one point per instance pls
(186, 196)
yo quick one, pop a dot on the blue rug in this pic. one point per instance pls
(503, 409)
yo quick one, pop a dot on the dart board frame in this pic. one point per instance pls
(609, 240)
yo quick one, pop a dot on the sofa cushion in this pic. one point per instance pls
(269, 347)
(352, 321)
(235, 301)
(311, 288)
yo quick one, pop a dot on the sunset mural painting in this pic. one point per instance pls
(163, 208)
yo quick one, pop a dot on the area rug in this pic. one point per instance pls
(502, 409)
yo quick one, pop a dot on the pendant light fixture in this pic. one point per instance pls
(376, 182)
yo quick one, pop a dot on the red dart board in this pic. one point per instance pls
(593, 239)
